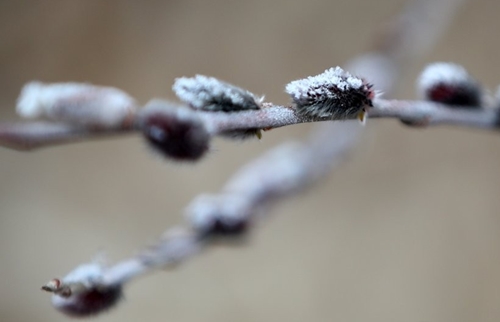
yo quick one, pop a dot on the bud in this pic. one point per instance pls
(210, 94)
(450, 84)
(176, 132)
(220, 215)
(76, 103)
(81, 293)
(335, 94)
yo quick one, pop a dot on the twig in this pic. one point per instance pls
(28, 136)
(430, 113)
(280, 172)
(223, 217)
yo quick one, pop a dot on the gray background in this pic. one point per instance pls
(407, 230)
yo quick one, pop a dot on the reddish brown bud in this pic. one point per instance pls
(175, 132)
(83, 293)
(450, 84)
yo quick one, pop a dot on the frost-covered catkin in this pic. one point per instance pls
(210, 94)
(224, 215)
(76, 103)
(85, 295)
(450, 84)
(334, 94)
(213, 95)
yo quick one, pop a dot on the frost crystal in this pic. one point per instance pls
(450, 84)
(334, 94)
(210, 94)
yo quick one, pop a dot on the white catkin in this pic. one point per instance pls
(210, 94)
(76, 103)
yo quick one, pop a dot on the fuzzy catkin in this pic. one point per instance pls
(210, 94)
(333, 94)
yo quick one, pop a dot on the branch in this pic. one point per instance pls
(28, 136)
(423, 113)
(432, 113)
(92, 288)
(32, 135)
(224, 217)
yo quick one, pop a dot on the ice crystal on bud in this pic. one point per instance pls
(76, 103)
(450, 84)
(84, 293)
(174, 131)
(334, 94)
(210, 94)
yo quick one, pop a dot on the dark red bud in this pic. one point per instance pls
(175, 137)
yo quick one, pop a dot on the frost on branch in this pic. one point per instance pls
(82, 292)
(76, 103)
(175, 132)
(335, 94)
(450, 84)
(210, 94)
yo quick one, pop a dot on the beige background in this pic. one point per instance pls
(407, 230)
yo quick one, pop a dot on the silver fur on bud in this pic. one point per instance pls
(334, 94)
(76, 103)
(210, 94)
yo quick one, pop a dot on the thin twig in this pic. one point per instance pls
(430, 113)
(28, 136)
(281, 172)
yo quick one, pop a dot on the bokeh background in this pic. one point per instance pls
(407, 230)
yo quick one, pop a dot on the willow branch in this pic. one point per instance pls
(224, 217)
(430, 113)
(281, 172)
(32, 135)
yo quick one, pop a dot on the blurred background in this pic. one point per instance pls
(407, 230)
